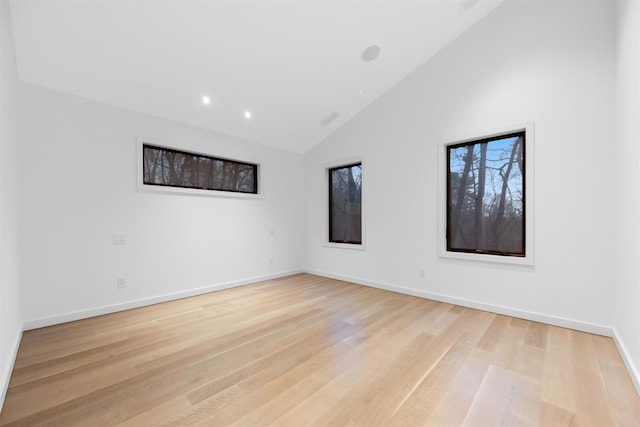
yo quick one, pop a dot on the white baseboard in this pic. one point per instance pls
(108, 309)
(628, 361)
(521, 314)
(7, 369)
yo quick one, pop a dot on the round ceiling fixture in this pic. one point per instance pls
(370, 53)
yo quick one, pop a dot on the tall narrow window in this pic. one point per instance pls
(345, 204)
(486, 196)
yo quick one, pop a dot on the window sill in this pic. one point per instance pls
(198, 192)
(526, 260)
(356, 247)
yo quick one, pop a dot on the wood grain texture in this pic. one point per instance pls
(306, 350)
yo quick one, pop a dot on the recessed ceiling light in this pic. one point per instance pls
(247, 114)
(370, 53)
(206, 100)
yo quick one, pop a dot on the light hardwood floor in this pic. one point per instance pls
(306, 350)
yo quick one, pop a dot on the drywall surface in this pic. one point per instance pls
(626, 287)
(79, 188)
(550, 63)
(10, 317)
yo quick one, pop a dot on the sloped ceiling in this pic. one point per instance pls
(297, 66)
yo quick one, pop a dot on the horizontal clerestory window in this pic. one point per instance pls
(168, 167)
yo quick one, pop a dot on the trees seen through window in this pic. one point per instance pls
(486, 196)
(345, 204)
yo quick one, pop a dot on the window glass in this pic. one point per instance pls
(345, 204)
(486, 196)
(175, 168)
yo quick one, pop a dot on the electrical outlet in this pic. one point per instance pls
(421, 273)
(122, 282)
(270, 260)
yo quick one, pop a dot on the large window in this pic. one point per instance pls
(167, 167)
(345, 204)
(486, 196)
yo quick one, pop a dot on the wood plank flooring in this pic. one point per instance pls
(306, 350)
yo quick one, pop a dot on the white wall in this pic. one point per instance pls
(627, 219)
(78, 187)
(10, 317)
(551, 63)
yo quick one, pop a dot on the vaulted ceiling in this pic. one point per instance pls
(301, 68)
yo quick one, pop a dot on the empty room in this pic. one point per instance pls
(301, 213)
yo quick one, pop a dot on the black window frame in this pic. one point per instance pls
(254, 167)
(330, 204)
(522, 133)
